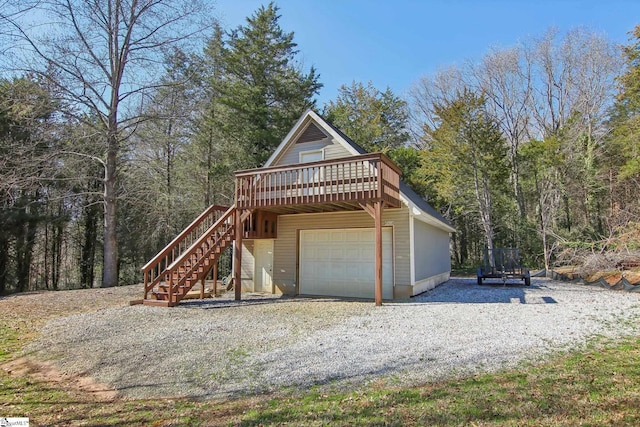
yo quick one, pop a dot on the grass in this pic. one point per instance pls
(598, 387)
(601, 387)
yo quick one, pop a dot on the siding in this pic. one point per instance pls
(432, 250)
(248, 264)
(291, 155)
(286, 245)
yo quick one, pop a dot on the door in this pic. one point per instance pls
(341, 262)
(263, 266)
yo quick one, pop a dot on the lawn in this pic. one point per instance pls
(600, 386)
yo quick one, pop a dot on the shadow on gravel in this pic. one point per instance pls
(253, 299)
(456, 290)
(465, 290)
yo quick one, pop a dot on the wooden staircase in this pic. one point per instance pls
(189, 257)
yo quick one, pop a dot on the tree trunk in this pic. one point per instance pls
(483, 197)
(207, 196)
(46, 256)
(88, 252)
(56, 251)
(4, 262)
(110, 255)
(24, 250)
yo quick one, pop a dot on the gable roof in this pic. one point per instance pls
(418, 207)
(298, 129)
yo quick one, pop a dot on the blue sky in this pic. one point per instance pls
(395, 42)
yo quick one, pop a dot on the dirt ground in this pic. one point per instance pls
(26, 312)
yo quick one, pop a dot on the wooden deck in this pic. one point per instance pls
(329, 185)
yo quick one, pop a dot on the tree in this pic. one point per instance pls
(625, 117)
(101, 57)
(378, 121)
(542, 165)
(161, 142)
(214, 153)
(622, 149)
(375, 120)
(263, 89)
(570, 100)
(465, 160)
(27, 150)
(504, 76)
(550, 89)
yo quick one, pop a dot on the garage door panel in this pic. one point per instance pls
(341, 262)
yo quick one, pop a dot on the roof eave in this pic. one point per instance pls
(423, 216)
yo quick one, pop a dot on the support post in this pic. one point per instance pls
(204, 276)
(215, 278)
(378, 232)
(237, 255)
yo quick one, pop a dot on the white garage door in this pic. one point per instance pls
(341, 262)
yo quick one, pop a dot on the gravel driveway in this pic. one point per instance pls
(222, 348)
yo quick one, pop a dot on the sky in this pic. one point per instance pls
(393, 43)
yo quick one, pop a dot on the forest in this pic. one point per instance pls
(122, 120)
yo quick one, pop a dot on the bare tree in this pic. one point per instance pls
(504, 76)
(444, 87)
(575, 88)
(104, 57)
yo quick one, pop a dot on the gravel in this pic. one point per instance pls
(220, 348)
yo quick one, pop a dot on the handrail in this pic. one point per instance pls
(180, 260)
(198, 243)
(180, 237)
(371, 156)
(155, 269)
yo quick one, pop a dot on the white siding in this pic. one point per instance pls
(431, 251)
(248, 263)
(332, 150)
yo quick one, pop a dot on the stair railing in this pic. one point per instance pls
(222, 228)
(154, 269)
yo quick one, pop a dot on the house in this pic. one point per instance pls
(321, 217)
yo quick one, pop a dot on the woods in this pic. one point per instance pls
(550, 101)
(122, 120)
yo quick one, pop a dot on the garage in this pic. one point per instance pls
(341, 262)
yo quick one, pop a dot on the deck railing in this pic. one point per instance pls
(364, 178)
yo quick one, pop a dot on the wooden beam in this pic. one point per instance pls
(375, 210)
(204, 276)
(215, 278)
(378, 232)
(370, 209)
(246, 214)
(237, 254)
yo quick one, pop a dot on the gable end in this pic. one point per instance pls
(311, 133)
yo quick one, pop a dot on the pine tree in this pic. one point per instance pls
(624, 148)
(465, 161)
(263, 89)
(375, 120)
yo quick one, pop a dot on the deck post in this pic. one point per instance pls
(215, 278)
(146, 274)
(378, 232)
(237, 254)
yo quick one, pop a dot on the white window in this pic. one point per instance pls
(311, 177)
